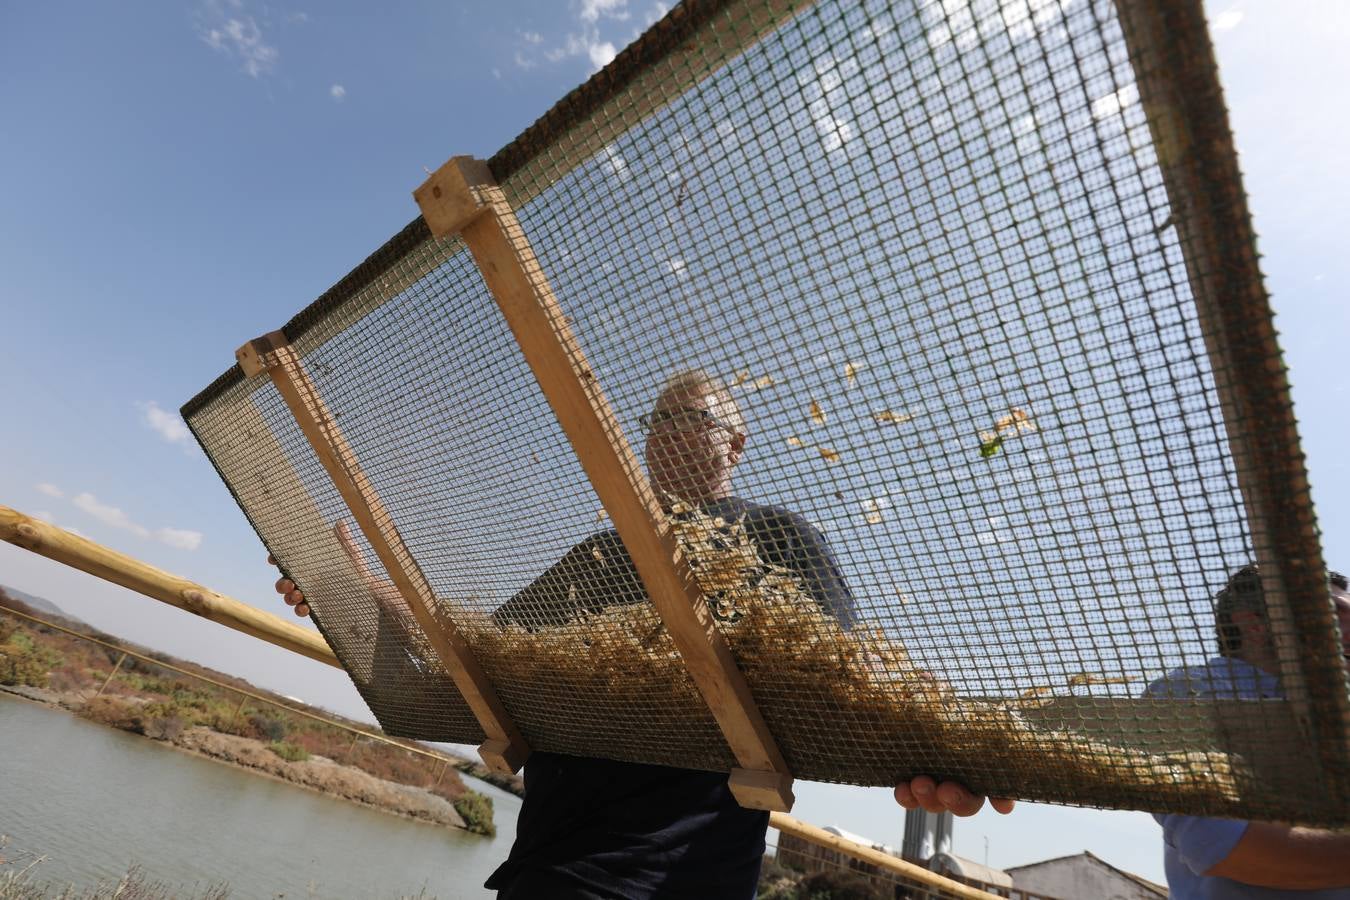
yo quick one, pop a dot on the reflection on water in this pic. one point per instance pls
(96, 800)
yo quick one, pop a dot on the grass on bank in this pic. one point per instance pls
(161, 704)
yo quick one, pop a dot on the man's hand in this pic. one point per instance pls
(383, 591)
(949, 796)
(293, 596)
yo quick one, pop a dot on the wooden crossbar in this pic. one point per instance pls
(505, 749)
(463, 198)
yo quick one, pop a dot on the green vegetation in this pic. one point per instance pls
(288, 752)
(162, 704)
(476, 811)
(22, 661)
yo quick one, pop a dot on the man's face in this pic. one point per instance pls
(1341, 597)
(690, 446)
(1256, 639)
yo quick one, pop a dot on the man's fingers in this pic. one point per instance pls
(960, 801)
(949, 796)
(925, 794)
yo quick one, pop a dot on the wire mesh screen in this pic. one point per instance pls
(945, 443)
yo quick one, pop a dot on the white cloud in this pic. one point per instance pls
(657, 11)
(44, 515)
(613, 163)
(297, 18)
(1115, 102)
(50, 490)
(601, 54)
(75, 531)
(593, 10)
(1227, 20)
(337, 92)
(166, 424)
(237, 35)
(108, 515)
(833, 130)
(497, 73)
(588, 42)
(180, 538)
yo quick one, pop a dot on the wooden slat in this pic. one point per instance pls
(462, 197)
(505, 749)
(1179, 91)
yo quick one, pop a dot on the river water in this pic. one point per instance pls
(96, 800)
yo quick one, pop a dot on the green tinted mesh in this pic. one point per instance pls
(978, 282)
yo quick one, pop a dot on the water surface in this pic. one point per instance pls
(95, 800)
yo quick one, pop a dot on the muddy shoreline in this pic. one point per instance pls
(318, 773)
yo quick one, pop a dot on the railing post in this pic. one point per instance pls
(106, 681)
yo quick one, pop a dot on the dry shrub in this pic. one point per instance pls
(110, 711)
(69, 677)
(162, 728)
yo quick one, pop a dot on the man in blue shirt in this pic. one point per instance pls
(593, 828)
(1228, 859)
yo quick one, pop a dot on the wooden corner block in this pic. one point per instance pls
(256, 356)
(453, 196)
(502, 756)
(757, 789)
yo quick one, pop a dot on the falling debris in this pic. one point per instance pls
(872, 512)
(744, 382)
(795, 441)
(828, 454)
(1083, 679)
(1033, 693)
(601, 515)
(597, 555)
(889, 417)
(850, 374)
(817, 413)
(1018, 421)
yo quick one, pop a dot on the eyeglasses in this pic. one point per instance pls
(683, 420)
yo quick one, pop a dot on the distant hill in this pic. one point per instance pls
(39, 603)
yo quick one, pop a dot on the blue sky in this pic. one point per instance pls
(179, 178)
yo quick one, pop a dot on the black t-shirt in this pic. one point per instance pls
(592, 828)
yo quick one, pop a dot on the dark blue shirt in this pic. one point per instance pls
(592, 828)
